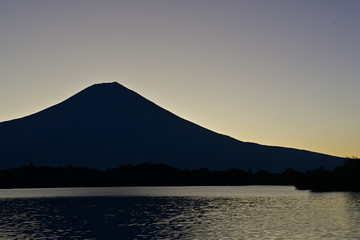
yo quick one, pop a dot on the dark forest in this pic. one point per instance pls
(343, 178)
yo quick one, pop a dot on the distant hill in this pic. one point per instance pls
(107, 125)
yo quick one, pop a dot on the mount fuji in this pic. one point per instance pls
(107, 125)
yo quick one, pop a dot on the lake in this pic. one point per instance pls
(244, 212)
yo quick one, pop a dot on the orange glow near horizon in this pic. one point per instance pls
(274, 73)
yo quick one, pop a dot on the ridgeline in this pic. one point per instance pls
(107, 125)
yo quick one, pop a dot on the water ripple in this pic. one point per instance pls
(251, 216)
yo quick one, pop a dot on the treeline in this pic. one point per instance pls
(342, 178)
(145, 174)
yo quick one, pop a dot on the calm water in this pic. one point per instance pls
(252, 212)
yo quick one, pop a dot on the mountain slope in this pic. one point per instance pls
(107, 125)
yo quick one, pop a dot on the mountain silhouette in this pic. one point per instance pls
(107, 125)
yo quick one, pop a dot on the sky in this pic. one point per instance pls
(279, 72)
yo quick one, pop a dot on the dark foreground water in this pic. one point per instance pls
(253, 212)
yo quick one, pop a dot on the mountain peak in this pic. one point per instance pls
(106, 84)
(107, 125)
(110, 92)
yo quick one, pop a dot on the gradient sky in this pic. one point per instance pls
(277, 72)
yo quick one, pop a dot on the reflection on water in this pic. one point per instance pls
(237, 213)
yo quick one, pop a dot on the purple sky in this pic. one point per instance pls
(273, 72)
